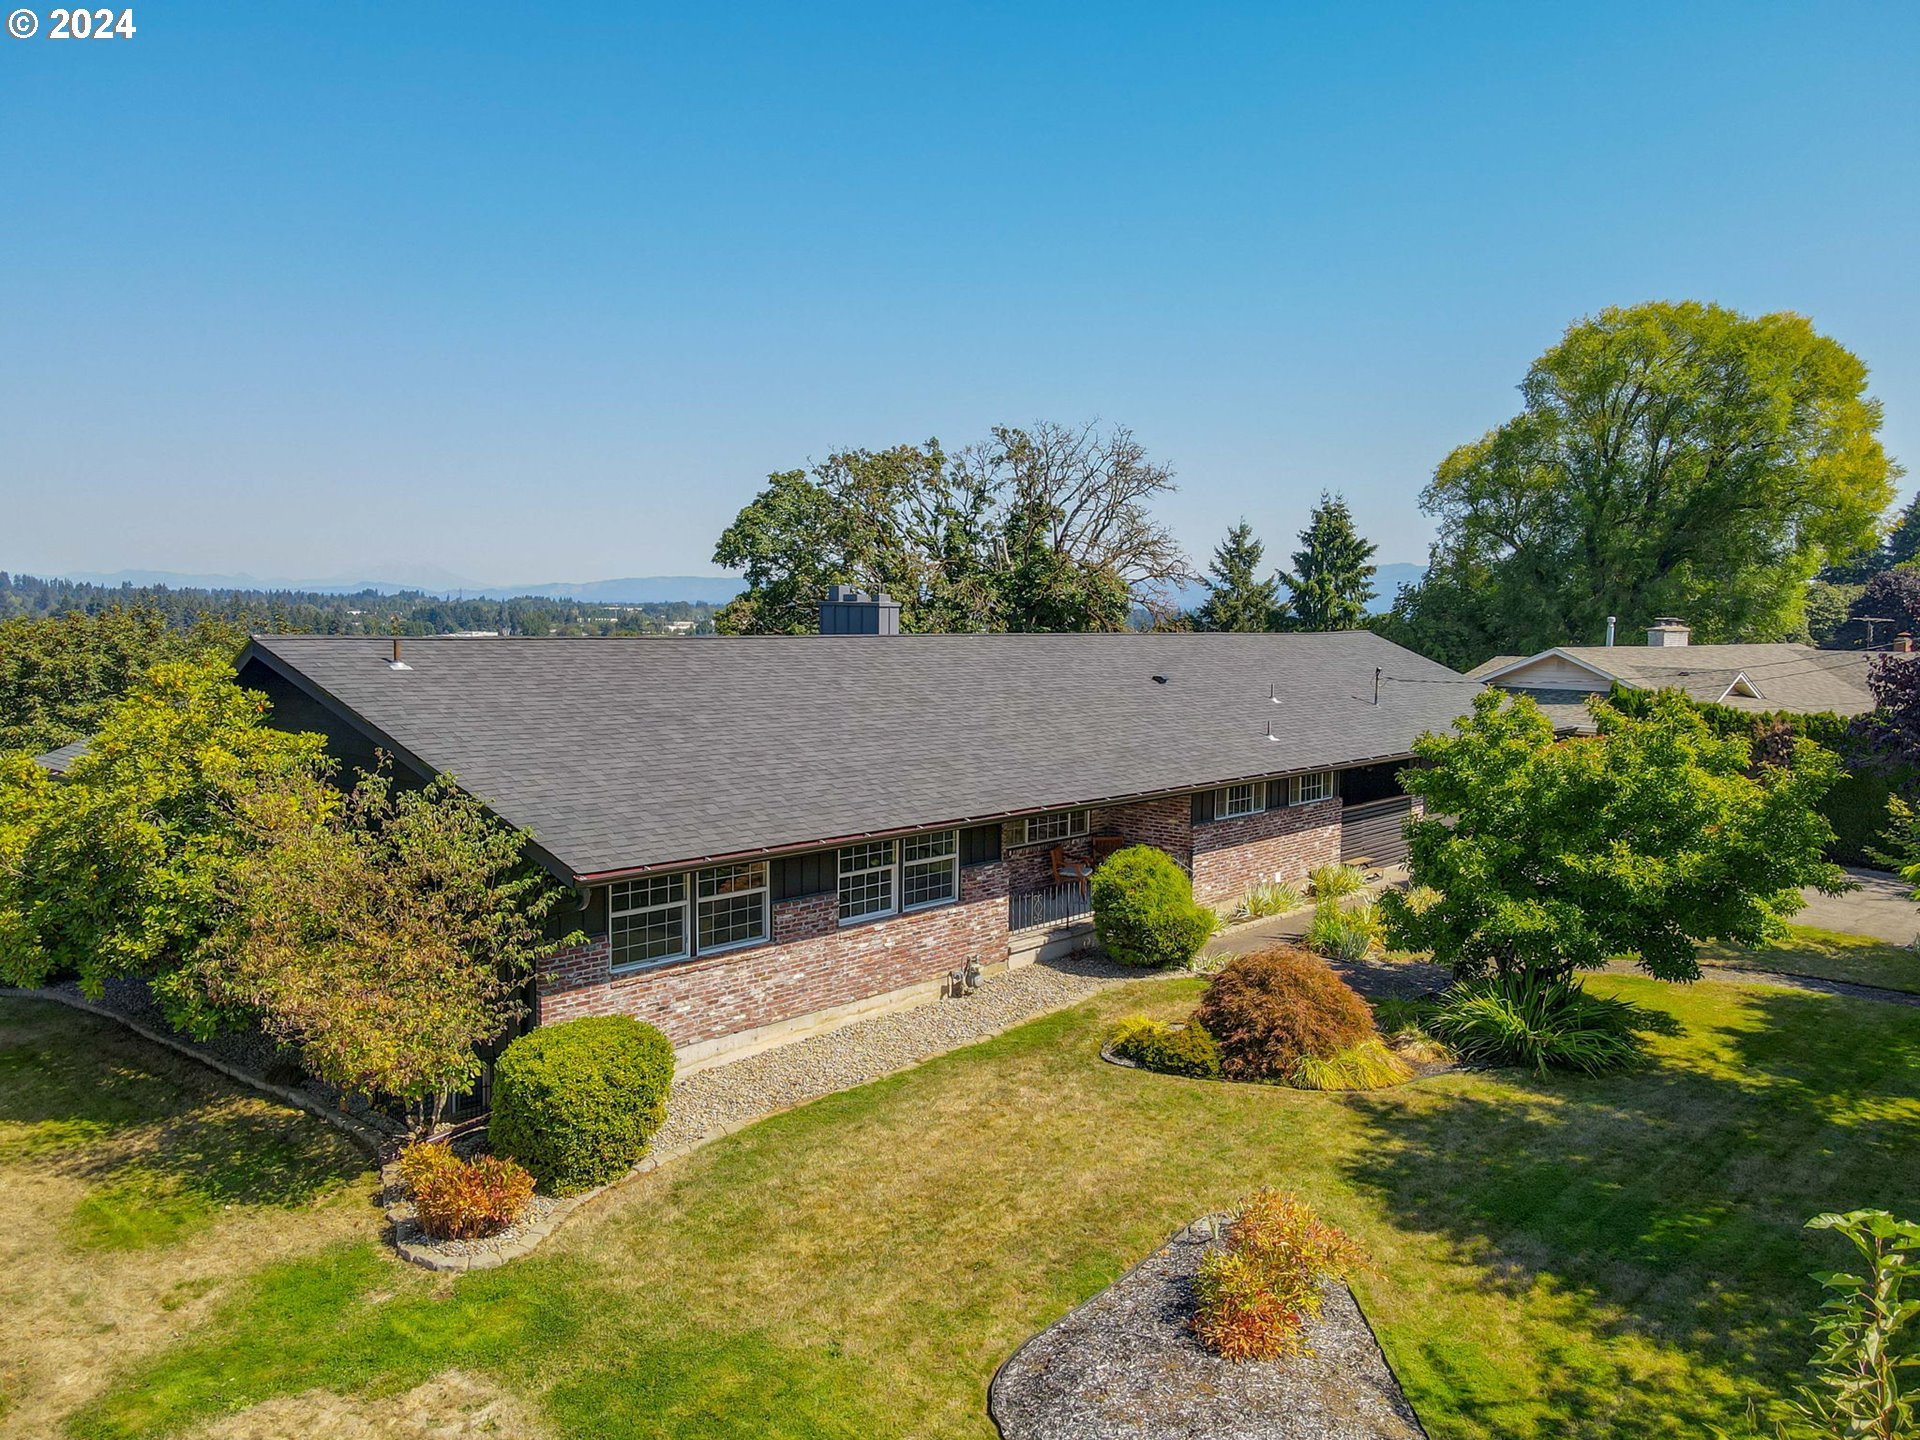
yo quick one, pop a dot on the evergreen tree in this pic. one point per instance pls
(1332, 578)
(1903, 540)
(1237, 598)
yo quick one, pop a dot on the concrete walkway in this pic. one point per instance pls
(1880, 908)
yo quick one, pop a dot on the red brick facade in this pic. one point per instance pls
(1230, 857)
(1167, 823)
(811, 964)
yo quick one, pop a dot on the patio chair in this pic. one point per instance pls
(1069, 872)
(1105, 845)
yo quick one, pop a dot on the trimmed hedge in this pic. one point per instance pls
(577, 1102)
(1271, 1009)
(1144, 911)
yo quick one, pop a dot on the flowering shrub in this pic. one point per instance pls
(1257, 1294)
(459, 1199)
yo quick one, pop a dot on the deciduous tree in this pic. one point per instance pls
(1641, 841)
(1678, 459)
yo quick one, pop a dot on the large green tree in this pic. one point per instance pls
(1238, 596)
(1670, 458)
(1556, 856)
(1332, 577)
(1043, 528)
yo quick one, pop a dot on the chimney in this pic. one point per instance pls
(1666, 632)
(1903, 642)
(847, 611)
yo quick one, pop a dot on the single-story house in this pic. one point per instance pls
(1760, 678)
(770, 834)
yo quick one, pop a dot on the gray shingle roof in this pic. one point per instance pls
(622, 753)
(1788, 676)
(58, 760)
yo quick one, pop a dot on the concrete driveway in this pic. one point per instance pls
(1880, 908)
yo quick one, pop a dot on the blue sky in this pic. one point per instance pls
(527, 293)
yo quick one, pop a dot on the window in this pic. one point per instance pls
(1317, 786)
(1061, 825)
(929, 869)
(866, 880)
(647, 920)
(1232, 801)
(732, 905)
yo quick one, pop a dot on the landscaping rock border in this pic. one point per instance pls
(1126, 1366)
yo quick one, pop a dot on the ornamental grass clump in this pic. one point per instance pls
(577, 1102)
(1170, 1049)
(1349, 931)
(1330, 882)
(1257, 1294)
(456, 1199)
(1370, 1065)
(1273, 1008)
(1269, 897)
(1541, 1023)
(1144, 911)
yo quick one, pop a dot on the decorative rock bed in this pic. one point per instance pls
(1126, 1366)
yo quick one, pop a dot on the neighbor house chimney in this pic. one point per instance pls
(847, 611)
(1903, 642)
(1667, 632)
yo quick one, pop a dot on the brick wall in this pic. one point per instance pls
(811, 964)
(1231, 856)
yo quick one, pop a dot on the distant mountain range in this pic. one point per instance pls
(634, 590)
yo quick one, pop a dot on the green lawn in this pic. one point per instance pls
(1564, 1258)
(1828, 955)
(136, 1190)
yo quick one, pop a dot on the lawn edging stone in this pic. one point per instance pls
(1125, 1365)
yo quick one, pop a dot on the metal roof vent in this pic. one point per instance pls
(396, 663)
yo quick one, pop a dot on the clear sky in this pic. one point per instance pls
(542, 292)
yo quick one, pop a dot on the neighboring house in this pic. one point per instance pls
(59, 760)
(769, 834)
(1760, 678)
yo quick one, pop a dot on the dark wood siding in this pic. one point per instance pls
(1376, 830)
(813, 873)
(980, 845)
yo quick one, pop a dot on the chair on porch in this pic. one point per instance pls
(1105, 845)
(1069, 872)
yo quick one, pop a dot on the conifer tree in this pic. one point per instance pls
(1332, 578)
(1237, 598)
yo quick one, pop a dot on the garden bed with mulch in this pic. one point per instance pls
(1126, 1366)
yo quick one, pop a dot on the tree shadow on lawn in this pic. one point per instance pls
(1667, 1204)
(160, 1142)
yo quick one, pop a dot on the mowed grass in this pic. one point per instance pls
(135, 1186)
(1828, 955)
(1555, 1258)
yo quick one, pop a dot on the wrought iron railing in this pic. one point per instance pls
(1048, 907)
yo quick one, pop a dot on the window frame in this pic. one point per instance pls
(891, 869)
(1327, 788)
(1257, 802)
(689, 906)
(1079, 824)
(949, 862)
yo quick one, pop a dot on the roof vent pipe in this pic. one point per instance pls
(396, 663)
(1609, 630)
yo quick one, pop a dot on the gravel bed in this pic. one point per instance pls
(729, 1095)
(1126, 1366)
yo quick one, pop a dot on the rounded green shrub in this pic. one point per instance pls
(577, 1102)
(1144, 911)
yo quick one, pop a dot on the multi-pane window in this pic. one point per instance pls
(1236, 800)
(647, 920)
(1061, 825)
(866, 880)
(650, 921)
(929, 869)
(1317, 786)
(732, 905)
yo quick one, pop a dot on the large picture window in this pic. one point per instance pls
(866, 880)
(670, 917)
(1061, 825)
(929, 869)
